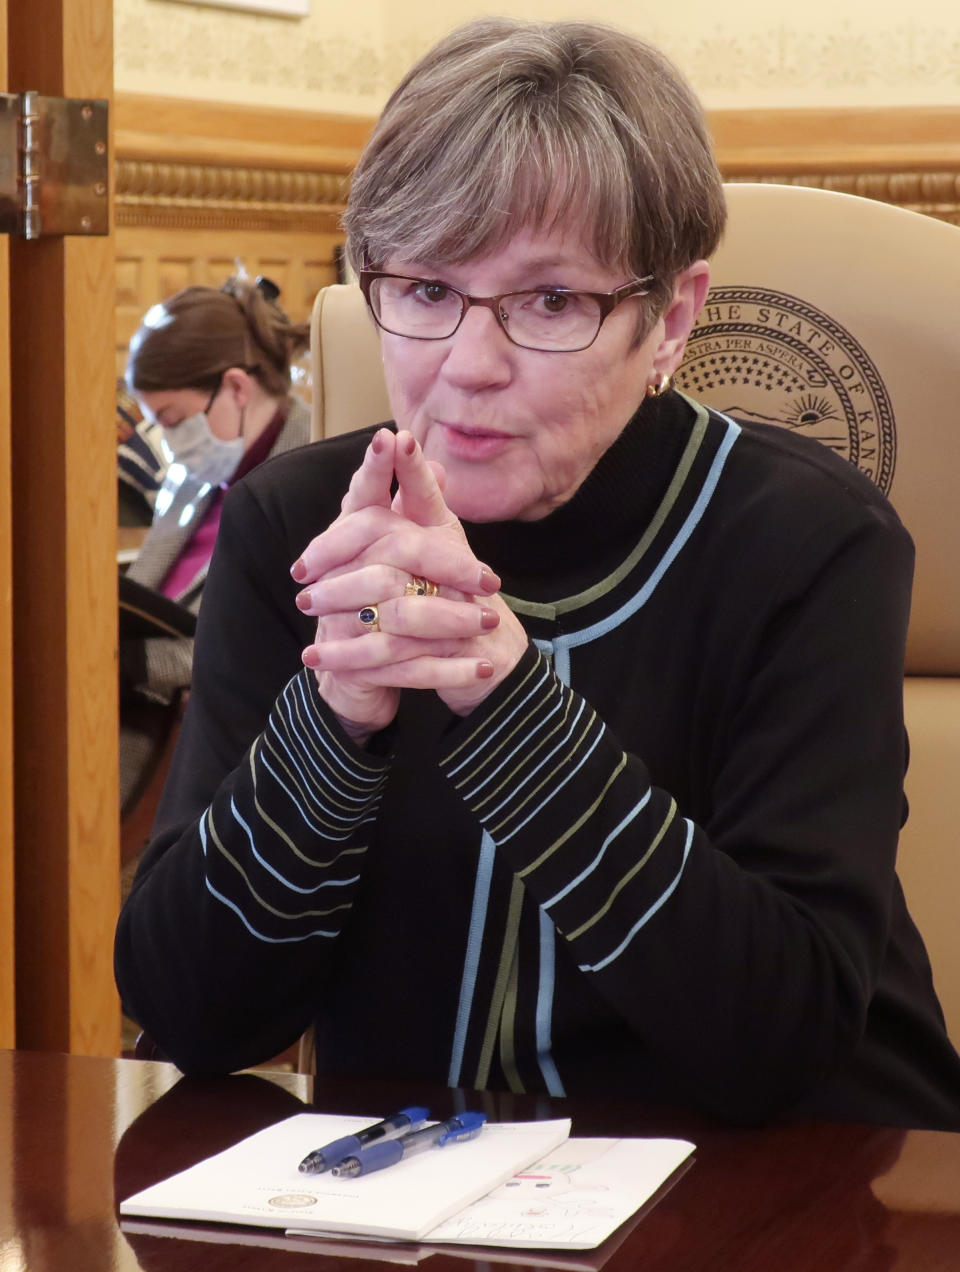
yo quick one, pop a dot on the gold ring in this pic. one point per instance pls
(420, 587)
(370, 617)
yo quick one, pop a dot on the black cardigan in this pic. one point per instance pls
(658, 860)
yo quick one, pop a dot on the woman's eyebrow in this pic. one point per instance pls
(556, 270)
(528, 274)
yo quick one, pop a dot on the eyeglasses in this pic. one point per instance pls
(552, 320)
(214, 394)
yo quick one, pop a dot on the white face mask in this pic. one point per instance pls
(204, 456)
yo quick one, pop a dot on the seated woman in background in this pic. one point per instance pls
(573, 762)
(212, 368)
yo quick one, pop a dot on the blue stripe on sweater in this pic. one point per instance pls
(545, 992)
(556, 791)
(562, 644)
(272, 870)
(232, 905)
(468, 981)
(644, 918)
(514, 792)
(503, 724)
(599, 857)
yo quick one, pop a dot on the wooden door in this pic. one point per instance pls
(6, 635)
(63, 515)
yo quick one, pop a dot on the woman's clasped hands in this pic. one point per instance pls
(401, 601)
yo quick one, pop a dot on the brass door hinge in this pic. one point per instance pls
(54, 175)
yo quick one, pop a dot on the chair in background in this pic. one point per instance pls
(348, 387)
(839, 317)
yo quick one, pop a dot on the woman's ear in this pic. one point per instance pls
(239, 385)
(690, 289)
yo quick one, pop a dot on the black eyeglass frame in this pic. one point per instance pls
(606, 303)
(216, 384)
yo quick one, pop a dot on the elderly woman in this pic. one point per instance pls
(591, 777)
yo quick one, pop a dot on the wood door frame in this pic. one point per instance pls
(63, 459)
(7, 1035)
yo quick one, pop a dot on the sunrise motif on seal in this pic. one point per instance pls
(768, 356)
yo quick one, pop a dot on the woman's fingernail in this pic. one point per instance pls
(410, 445)
(488, 580)
(298, 570)
(303, 600)
(377, 444)
(484, 669)
(488, 619)
(311, 657)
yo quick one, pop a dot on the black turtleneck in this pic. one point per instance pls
(594, 530)
(657, 861)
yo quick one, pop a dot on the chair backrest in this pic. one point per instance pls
(348, 387)
(836, 316)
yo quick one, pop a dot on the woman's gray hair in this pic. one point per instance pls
(507, 124)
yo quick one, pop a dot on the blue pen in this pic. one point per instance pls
(453, 1131)
(401, 1123)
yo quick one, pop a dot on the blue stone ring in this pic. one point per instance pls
(370, 617)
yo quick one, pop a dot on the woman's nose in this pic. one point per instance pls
(480, 355)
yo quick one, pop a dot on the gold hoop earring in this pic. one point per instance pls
(658, 390)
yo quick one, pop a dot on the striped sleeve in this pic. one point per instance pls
(284, 846)
(599, 848)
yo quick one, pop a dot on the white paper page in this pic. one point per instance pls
(257, 1181)
(573, 1199)
(337, 1245)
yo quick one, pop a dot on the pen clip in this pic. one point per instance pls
(417, 1115)
(463, 1126)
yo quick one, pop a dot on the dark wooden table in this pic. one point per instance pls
(82, 1134)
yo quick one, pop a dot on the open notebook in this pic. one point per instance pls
(516, 1184)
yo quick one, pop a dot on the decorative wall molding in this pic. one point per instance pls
(925, 138)
(909, 157)
(932, 194)
(202, 165)
(201, 196)
(182, 164)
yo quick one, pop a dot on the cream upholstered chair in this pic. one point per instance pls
(839, 317)
(348, 387)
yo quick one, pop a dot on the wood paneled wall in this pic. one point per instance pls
(155, 261)
(906, 156)
(199, 184)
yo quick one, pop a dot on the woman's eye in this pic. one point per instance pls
(434, 292)
(554, 302)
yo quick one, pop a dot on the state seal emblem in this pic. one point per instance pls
(765, 355)
(292, 1201)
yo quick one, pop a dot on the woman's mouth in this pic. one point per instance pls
(465, 441)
